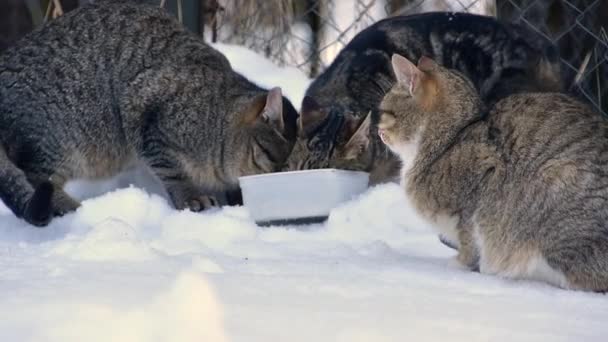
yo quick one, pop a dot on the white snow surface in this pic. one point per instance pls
(128, 267)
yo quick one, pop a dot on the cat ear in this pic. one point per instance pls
(311, 115)
(548, 73)
(273, 110)
(406, 72)
(426, 64)
(359, 141)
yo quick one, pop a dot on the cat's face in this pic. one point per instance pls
(330, 138)
(271, 123)
(421, 94)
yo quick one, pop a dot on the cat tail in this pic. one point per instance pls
(33, 205)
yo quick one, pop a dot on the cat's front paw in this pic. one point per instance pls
(463, 262)
(185, 196)
(201, 203)
(195, 203)
(64, 204)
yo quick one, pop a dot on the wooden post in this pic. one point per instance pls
(313, 18)
(207, 14)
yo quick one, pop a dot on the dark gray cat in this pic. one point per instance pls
(499, 58)
(117, 83)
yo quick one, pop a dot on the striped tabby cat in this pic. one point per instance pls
(116, 83)
(522, 191)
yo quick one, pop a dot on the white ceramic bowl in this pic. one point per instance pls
(299, 197)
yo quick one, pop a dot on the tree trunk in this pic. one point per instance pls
(313, 17)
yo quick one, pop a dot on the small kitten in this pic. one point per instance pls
(116, 83)
(500, 58)
(522, 191)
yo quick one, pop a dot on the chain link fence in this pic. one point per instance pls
(579, 29)
(308, 34)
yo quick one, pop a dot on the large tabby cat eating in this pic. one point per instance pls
(116, 83)
(522, 191)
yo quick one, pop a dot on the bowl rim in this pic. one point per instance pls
(327, 170)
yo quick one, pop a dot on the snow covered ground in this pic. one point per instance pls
(127, 267)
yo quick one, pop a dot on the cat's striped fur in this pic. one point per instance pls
(499, 58)
(115, 83)
(522, 191)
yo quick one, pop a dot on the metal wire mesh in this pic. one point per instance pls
(578, 28)
(308, 34)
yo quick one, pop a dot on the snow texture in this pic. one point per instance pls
(128, 267)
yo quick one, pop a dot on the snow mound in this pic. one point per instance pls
(187, 311)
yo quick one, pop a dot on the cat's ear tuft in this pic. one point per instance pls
(406, 72)
(360, 140)
(273, 110)
(311, 116)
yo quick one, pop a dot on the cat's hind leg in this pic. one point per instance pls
(32, 203)
(47, 166)
(61, 203)
(582, 261)
(502, 254)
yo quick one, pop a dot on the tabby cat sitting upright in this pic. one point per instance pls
(116, 83)
(500, 58)
(522, 192)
